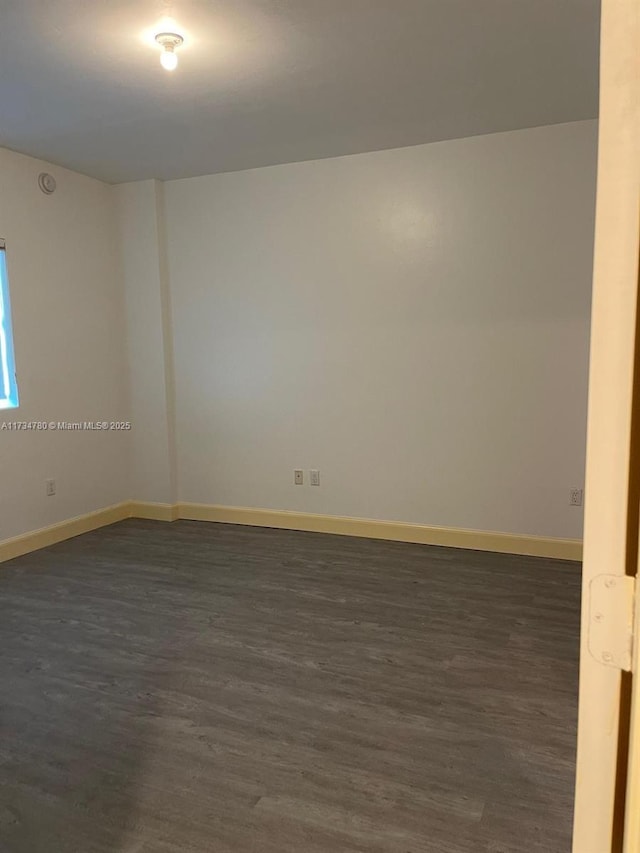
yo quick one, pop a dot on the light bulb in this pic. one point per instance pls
(169, 42)
(168, 59)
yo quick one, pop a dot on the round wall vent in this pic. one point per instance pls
(47, 183)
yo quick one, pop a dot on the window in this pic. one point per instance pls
(8, 384)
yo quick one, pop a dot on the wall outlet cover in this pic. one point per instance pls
(575, 497)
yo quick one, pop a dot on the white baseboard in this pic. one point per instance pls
(36, 539)
(154, 511)
(478, 540)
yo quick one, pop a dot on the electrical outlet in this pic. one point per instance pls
(51, 488)
(314, 477)
(298, 477)
(575, 497)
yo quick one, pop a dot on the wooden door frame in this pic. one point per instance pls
(611, 493)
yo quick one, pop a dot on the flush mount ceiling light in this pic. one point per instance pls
(169, 42)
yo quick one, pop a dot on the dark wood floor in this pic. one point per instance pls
(191, 687)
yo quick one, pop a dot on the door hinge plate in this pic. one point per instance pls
(611, 604)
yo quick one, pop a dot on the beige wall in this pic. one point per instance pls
(68, 316)
(149, 354)
(412, 322)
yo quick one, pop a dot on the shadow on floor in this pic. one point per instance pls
(82, 672)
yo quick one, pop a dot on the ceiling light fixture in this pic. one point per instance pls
(169, 42)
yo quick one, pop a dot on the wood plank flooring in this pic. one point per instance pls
(192, 687)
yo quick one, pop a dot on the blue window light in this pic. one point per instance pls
(8, 384)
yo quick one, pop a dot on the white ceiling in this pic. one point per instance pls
(273, 81)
